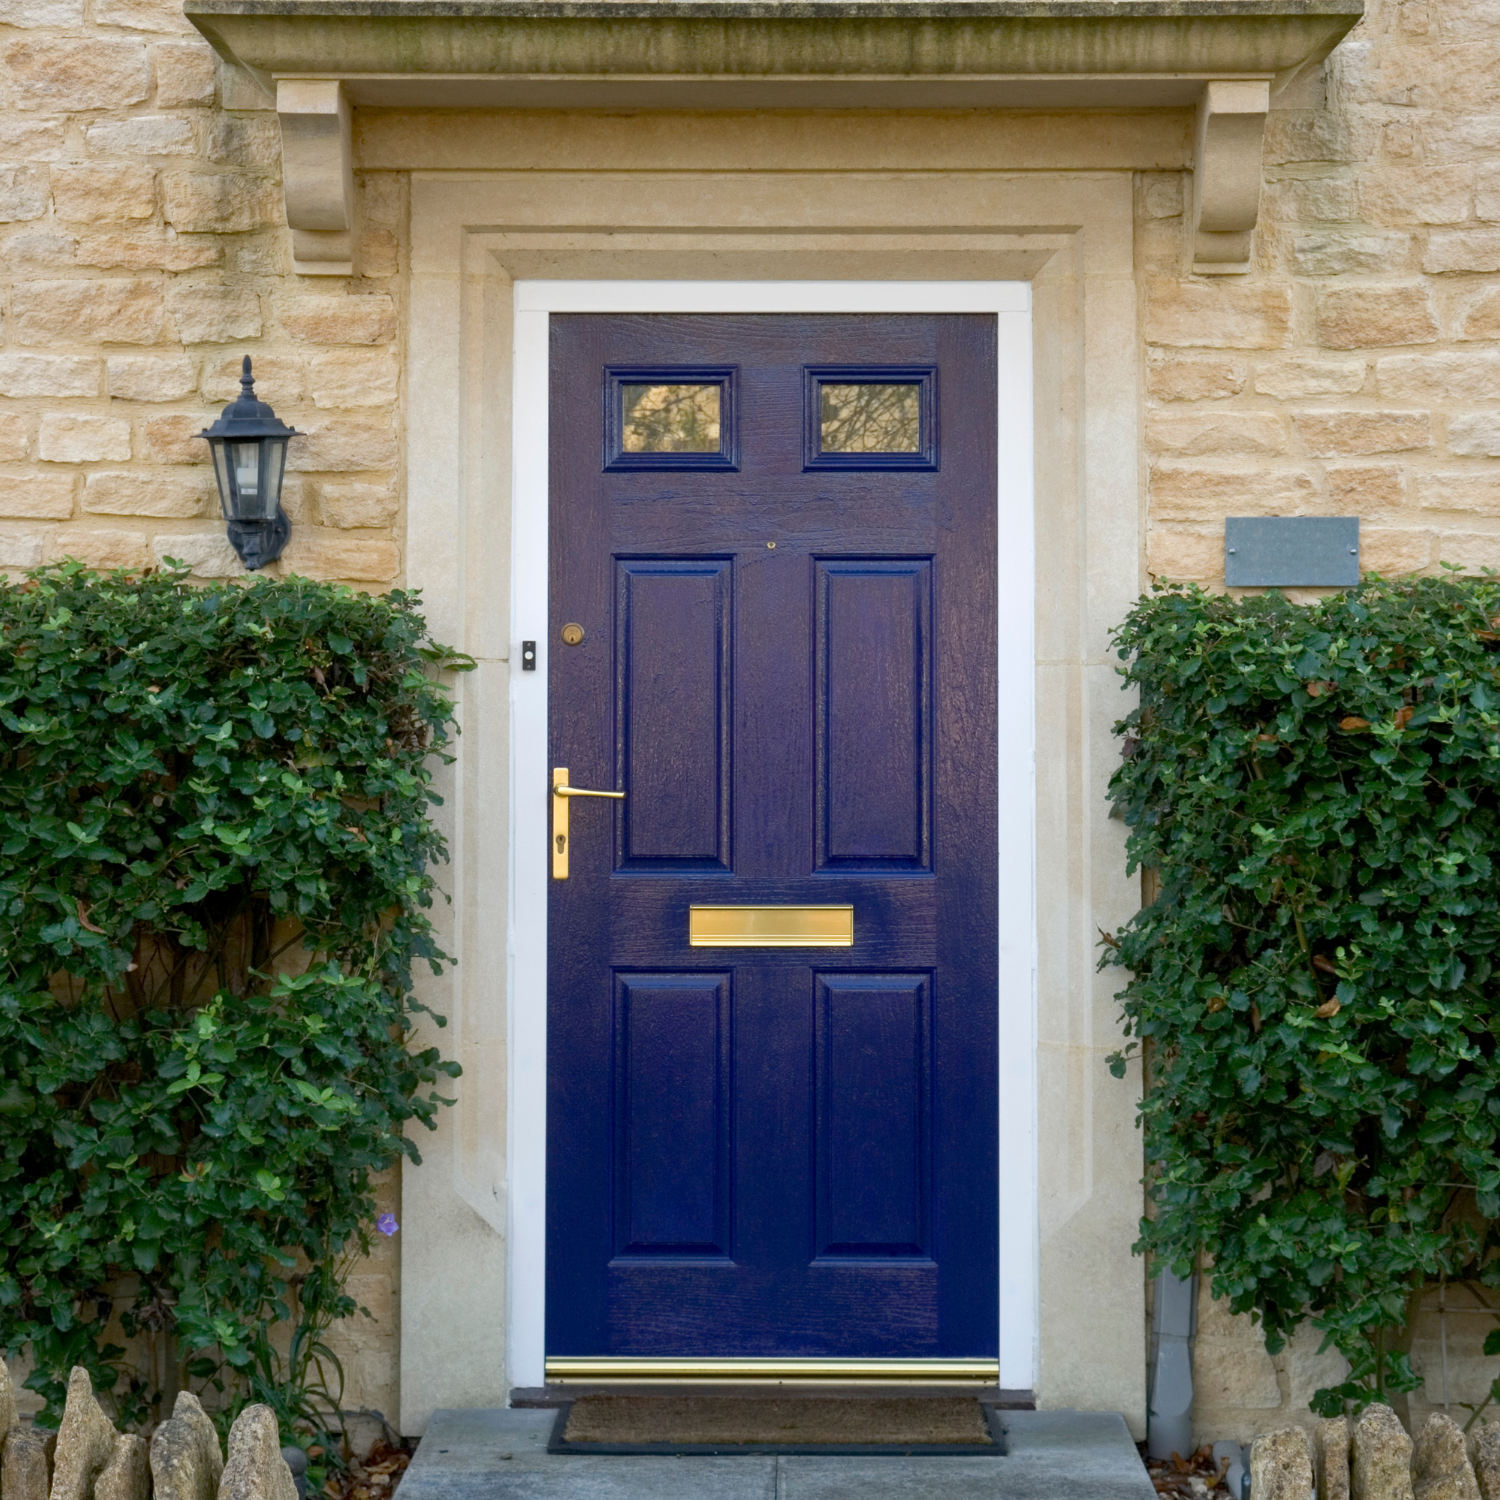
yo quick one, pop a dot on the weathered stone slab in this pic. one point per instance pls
(1486, 1460)
(1331, 1449)
(85, 1441)
(186, 1462)
(177, 1471)
(127, 1475)
(190, 1410)
(1440, 1463)
(255, 1469)
(1381, 1469)
(1281, 1466)
(26, 1467)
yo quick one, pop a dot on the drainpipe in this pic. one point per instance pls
(1169, 1426)
(1235, 1458)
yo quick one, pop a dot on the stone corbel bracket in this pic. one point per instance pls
(1226, 174)
(317, 174)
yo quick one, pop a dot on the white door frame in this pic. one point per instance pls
(1018, 1206)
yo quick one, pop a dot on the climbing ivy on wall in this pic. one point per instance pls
(1314, 988)
(215, 876)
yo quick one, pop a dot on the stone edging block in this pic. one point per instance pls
(86, 1459)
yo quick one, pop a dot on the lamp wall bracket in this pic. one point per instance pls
(260, 542)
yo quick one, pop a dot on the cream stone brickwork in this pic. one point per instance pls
(142, 254)
(1354, 370)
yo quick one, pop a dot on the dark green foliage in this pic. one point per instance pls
(1314, 986)
(214, 875)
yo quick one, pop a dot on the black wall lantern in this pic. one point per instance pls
(249, 448)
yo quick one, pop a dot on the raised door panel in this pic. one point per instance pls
(672, 644)
(672, 1146)
(874, 697)
(873, 1088)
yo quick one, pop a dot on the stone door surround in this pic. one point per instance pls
(1227, 59)
(475, 235)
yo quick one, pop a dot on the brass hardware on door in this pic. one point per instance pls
(572, 635)
(770, 926)
(562, 793)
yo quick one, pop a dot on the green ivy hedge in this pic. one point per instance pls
(215, 851)
(1314, 987)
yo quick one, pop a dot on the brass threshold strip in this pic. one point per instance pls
(776, 1371)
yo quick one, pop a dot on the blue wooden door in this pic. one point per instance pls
(773, 546)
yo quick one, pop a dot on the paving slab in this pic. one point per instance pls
(483, 1455)
(502, 1455)
(1050, 1455)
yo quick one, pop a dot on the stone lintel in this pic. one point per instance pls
(733, 54)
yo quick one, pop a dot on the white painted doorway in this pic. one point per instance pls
(1017, 1209)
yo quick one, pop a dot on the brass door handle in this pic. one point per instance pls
(561, 792)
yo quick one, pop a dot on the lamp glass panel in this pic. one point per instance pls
(273, 463)
(222, 476)
(245, 457)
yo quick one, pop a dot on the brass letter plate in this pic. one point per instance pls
(770, 926)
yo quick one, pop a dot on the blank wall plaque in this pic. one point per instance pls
(1291, 551)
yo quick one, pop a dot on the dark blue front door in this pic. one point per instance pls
(773, 627)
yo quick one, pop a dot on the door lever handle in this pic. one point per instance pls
(561, 834)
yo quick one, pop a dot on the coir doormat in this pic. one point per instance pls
(897, 1426)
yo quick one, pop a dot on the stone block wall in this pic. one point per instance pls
(141, 255)
(368, 1348)
(1354, 371)
(1240, 1390)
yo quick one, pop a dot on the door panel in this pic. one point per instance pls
(872, 696)
(673, 644)
(672, 1132)
(873, 1094)
(778, 535)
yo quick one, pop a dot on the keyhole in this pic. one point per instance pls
(562, 842)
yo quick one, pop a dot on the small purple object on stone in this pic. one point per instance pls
(387, 1224)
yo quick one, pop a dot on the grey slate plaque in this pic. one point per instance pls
(1291, 551)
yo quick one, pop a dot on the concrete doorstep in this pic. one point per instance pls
(1052, 1455)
